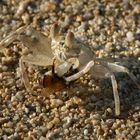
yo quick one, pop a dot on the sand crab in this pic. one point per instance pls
(67, 53)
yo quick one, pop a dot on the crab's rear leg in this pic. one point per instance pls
(116, 94)
(99, 71)
(117, 68)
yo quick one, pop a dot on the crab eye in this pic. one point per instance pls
(54, 32)
(70, 39)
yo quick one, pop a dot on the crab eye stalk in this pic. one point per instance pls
(54, 32)
(70, 39)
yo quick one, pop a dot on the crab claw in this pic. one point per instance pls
(70, 39)
(54, 32)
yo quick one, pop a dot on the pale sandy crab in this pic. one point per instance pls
(67, 53)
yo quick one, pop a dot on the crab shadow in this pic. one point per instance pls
(100, 102)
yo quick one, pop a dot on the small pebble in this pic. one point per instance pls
(56, 103)
(108, 47)
(130, 36)
(42, 138)
(85, 132)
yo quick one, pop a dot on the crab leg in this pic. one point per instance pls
(116, 94)
(30, 59)
(117, 68)
(80, 73)
(10, 38)
(102, 72)
(24, 76)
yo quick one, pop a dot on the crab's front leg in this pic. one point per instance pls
(12, 37)
(80, 73)
(35, 60)
(24, 75)
(63, 68)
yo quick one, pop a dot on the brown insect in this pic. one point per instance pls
(51, 83)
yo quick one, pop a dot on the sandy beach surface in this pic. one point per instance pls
(85, 109)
